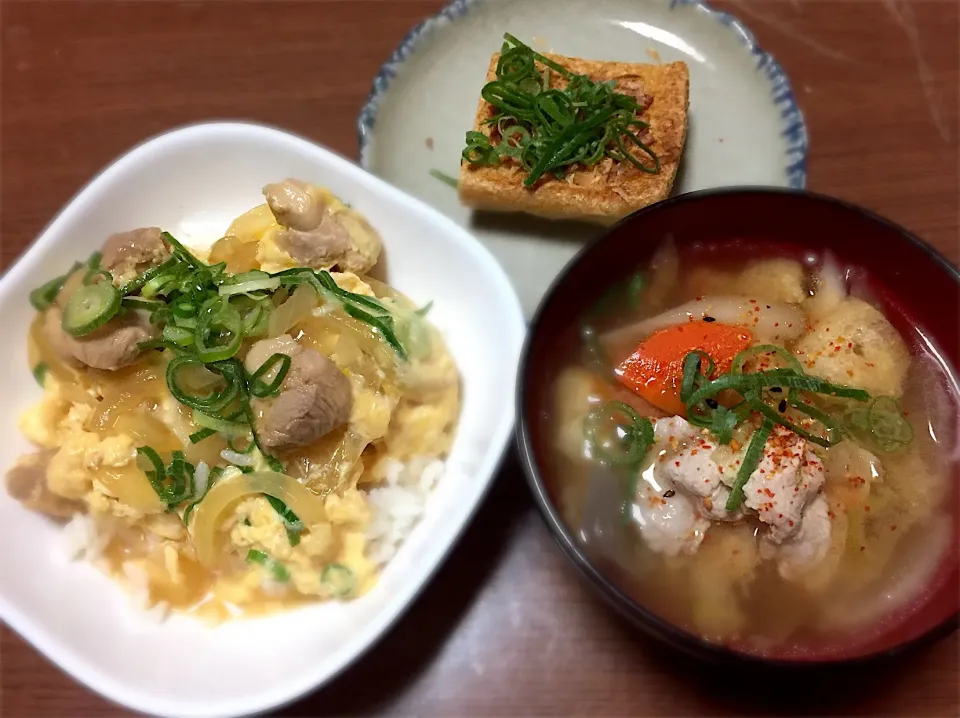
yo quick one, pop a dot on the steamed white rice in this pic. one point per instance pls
(396, 507)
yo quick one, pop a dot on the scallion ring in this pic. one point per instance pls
(89, 308)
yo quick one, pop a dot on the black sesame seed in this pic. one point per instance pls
(712, 403)
(670, 493)
(783, 406)
(709, 319)
(776, 389)
(768, 306)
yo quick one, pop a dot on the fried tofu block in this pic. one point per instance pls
(609, 190)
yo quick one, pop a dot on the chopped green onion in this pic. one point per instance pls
(279, 571)
(248, 282)
(174, 483)
(89, 308)
(150, 305)
(178, 335)
(769, 349)
(44, 295)
(751, 460)
(424, 310)
(445, 178)
(40, 372)
(212, 403)
(221, 426)
(261, 389)
(338, 579)
(637, 284)
(198, 436)
(219, 332)
(617, 434)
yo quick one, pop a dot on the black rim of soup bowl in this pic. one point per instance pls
(679, 638)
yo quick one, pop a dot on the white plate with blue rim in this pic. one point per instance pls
(745, 127)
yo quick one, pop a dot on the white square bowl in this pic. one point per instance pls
(192, 182)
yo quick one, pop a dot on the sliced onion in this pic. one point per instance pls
(293, 311)
(304, 503)
(222, 426)
(767, 321)
(200, 478)
(236, 458)
(829, 289)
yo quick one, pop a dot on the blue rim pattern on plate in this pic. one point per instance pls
(794, 128)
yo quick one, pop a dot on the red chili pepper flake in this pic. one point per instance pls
(776, 324)
(796, 489)
(720, 469)
(694, 452)
(676, 463)
(893, 527)
(849, 345)
(699, 299)
(831, 514)
(849, 372)
(871, 364)
(779, 516)
(753, 301)
(769, 493)
(836, 349)
(759, 491)
(790, 522)
(867, 509)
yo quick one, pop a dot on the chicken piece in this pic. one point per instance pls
(27, 483)
(294, 205)
(668, 524)
(128, 254)
(324, 246)
(856, 345)
(320, 232)
(788, 476)
(800, 553)
(315, 396)
(692, 462)
(110, 347)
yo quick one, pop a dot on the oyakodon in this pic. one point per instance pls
(239, 431)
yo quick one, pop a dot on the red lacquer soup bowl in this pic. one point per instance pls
(918, 289)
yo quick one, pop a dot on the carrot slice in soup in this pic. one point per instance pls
(655, 369)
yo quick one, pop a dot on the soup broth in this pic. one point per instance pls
(839, 520)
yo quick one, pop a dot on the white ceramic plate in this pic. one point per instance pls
(745, 126)
(193, 181)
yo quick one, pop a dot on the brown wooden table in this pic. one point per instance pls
(506, 627)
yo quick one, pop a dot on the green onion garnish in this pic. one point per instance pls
(279, 571)
(547, 130)
(881, 424)
(338, 579)
(445, 178)
(90, 307)
(261, 389)
(40, 372)
(173, 483)
(751, 460)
